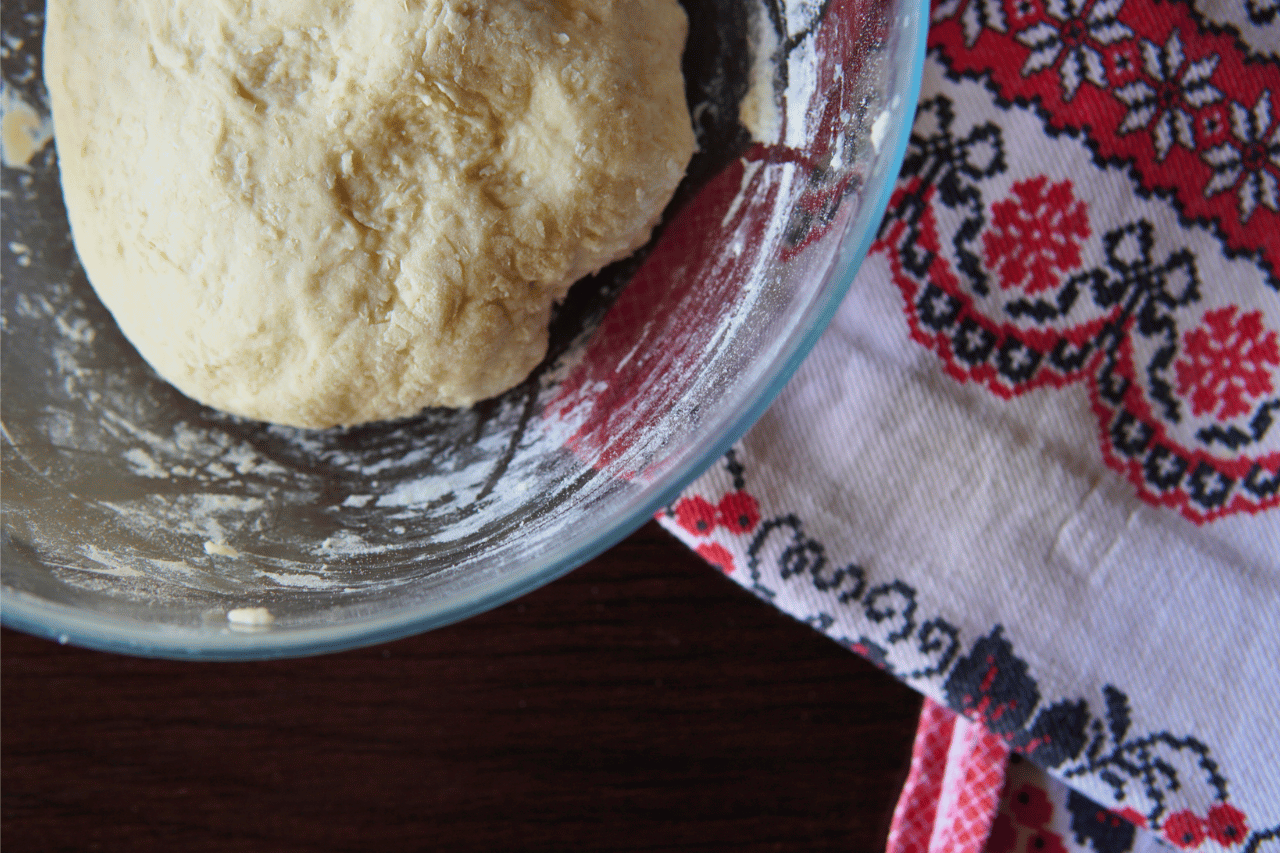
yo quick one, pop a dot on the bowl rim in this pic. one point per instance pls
(60, 623)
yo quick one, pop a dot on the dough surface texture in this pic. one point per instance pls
(321, 213)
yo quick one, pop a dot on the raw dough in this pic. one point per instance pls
(318, 212)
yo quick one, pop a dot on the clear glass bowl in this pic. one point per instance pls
(136, 521)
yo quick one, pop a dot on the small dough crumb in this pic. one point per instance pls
(222, 549)
(22, 131)
(758, 111)
(254, 616)
(321, 213)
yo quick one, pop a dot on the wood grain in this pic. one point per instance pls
(643, 702)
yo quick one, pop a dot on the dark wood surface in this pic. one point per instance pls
(643, 702)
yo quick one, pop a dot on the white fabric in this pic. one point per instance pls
(1001, 518)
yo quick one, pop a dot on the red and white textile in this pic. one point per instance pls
(1033, 466)
(953, 789)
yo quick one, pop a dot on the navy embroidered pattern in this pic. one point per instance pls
(1028, 290)
(1087, 740)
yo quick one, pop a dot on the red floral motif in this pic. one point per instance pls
(1225, 363)
(1116, 320)
(1248, 160)
(1044, 842)
(1037, 236)
(1031, 806)
(739, 512)
(716, 555)
(1198, 185)
(1184, 829)
(1004, 835)
(1226, 824)
(695, 515)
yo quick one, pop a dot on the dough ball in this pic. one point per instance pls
(318, 212)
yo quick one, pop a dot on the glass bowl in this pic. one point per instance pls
(137, 521)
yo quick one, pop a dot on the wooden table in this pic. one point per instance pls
(643, 703)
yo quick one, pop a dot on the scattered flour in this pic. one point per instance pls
(344, 543)
(782, 89)
(303, 581)
(104, 563)
(182, 484)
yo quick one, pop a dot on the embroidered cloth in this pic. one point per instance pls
(1032, 468)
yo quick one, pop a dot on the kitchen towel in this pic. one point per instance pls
(953, 788)
(1033, 466)
(966, 793)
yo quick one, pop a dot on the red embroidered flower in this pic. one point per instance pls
(1175, 86)
(1184, 829)
(716, 555)
(696, 515)
(1037, 236)
(1226, 824)
(1132, 815)
(1003, 837)
(1030, 806)
(1249, 159)
(739, 512)
(1070, 38)
(1226, 361)
(1044, 842)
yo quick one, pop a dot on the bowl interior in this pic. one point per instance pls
(135, 519)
